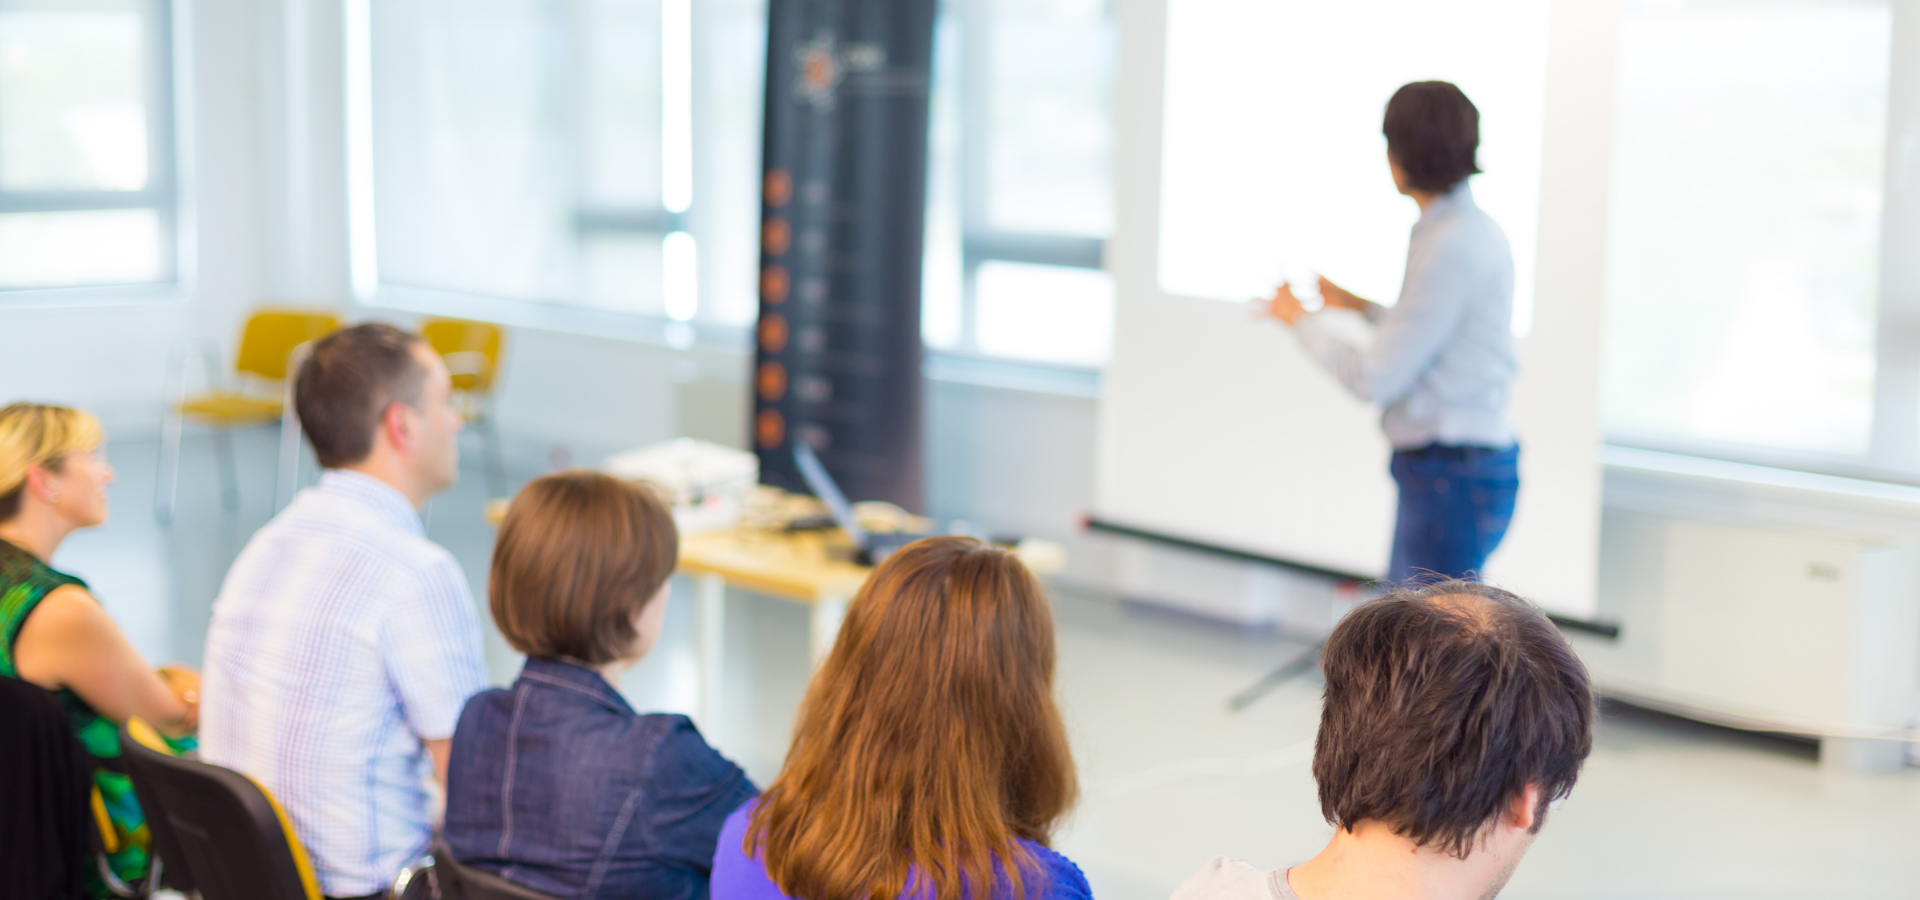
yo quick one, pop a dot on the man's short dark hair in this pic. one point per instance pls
(1433, 132)
(1442, 704)
(346, 384)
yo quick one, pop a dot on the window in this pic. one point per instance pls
(599, 154)
(1020, 192)
(86, 162)
(604, 154)
(1743, 263)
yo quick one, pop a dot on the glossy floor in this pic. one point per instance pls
(1665, 808)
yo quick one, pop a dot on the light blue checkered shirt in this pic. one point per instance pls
(341, 639)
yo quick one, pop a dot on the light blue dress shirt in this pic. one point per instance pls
(1441, 359)
(341, 639)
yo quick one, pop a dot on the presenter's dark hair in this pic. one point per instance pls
(579, 556)
(1433, 132)
(347, 382)
(1442, 704)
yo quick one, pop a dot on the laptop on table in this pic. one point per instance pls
(869, 549)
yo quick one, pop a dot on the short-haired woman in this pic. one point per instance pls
(555, 783)
(929, 760)
(53, 633)
(1441, 359)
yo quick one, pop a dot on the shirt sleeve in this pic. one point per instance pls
(1406, 338)
(693, 789)
(431, 643)
(1225, 879)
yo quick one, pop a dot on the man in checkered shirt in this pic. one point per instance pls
(344, 643)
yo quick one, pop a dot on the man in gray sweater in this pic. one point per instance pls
(1455, 717)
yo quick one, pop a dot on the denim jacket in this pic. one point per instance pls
(558, 785)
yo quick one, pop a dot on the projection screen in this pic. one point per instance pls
(1251, 153)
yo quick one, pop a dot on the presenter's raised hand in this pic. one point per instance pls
(1338, 297)
(1283, 305)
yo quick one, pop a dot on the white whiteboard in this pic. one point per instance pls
(1251, 151)
(1241, 102)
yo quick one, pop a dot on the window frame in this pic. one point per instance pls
(980, 240)
(588, 218)
(161, 193)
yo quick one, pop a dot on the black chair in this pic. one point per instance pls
(52, 834)
(458, 881)
(46, 777)
(231, 838)
(165, 847)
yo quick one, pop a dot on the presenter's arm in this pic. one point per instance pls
(1406, 339)
(1340, 298)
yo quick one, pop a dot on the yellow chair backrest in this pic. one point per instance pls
(472, 349)
(271, 334)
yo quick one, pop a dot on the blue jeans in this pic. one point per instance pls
(1455, 505)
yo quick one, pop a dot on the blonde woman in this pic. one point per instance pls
(53, 633)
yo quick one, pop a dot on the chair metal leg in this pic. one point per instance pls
(229, 478)
(287, 471)
(166, 487)
(415, 881)
(123, 890)
(710, 644)
(496, 461)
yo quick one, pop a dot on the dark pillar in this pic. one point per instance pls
(843, 202)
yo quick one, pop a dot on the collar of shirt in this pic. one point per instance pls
(383, 499)
(565, 676)
(1459, 195)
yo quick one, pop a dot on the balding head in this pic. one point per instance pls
(1443, 703)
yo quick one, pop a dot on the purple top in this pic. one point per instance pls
(739, 877)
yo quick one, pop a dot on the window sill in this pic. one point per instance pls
(92, 297)
(1012, 375)
(654, 331)
(1673, 482)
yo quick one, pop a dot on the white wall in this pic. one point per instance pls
(110, 354)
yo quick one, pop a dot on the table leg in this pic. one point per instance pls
(827, 615)
(709, 646)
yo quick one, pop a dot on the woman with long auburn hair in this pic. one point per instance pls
(929, 761)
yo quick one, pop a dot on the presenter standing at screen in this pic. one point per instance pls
(1441, 360)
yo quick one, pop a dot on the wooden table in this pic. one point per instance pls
(814, 568)
(809, 567)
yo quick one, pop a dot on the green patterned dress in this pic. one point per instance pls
(24, 582)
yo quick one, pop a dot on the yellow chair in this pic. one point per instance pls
(257, 392)
(472, 353)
